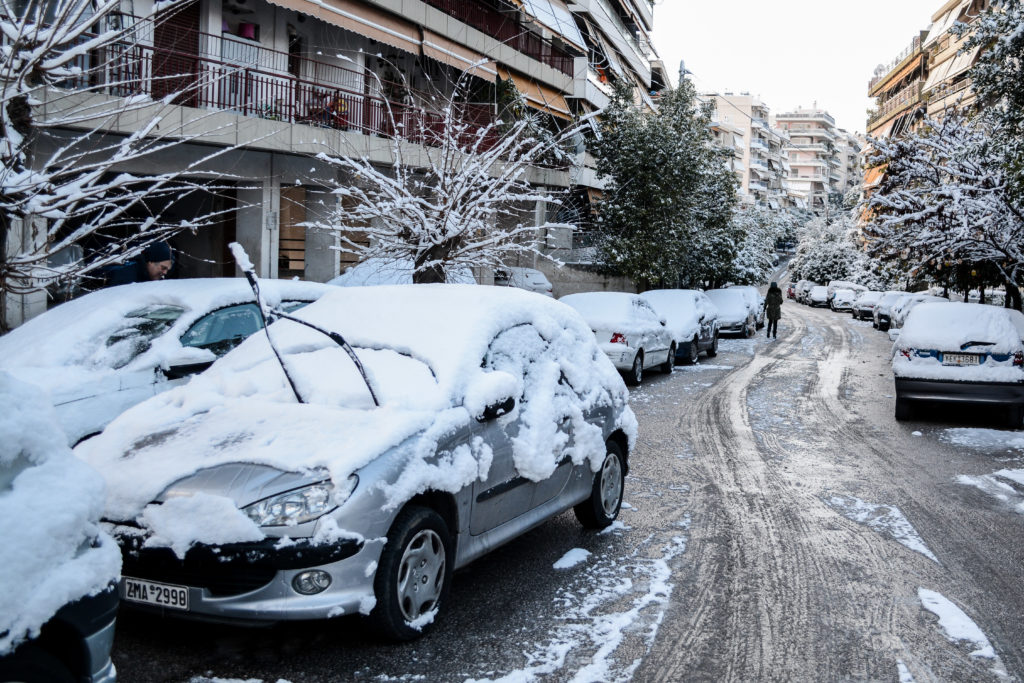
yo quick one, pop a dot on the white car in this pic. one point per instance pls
(835, 285)
(628, 330)
(734, 315)
(691, 319)
(754, 301)
(530, 279)
(817, 296)
(901, 309)
(392, 436)
(960, 353)
(100, 354)
(58, 597)
(842, 300)
(883, 309)
(864, 304)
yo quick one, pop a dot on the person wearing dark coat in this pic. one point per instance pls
(152, 264)
(773, 308)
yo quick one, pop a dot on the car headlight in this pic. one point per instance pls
(300, 505)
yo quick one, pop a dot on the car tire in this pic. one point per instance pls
(713, 349)
(1015, 416)
(414, 574)
(694, 352)
(602, 507)
(32, 664)
(670, 362)
(636, 372)
(904, 409)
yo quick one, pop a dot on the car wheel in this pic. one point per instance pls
(904, 409)
(713, 349)
(670, 362)
(1015, 416)
(32, 664)
(636, 373)
(414, 574)
(751, 330)
(605, 501)
(694, 352)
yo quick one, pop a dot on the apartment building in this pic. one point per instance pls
(763, 164)
(849, 153)
(899, 90)
(948, 83)
(277, 81)
(813, 155)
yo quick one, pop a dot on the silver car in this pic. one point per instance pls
(416, 429)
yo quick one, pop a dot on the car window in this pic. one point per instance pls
(645, 311)
(140, 328)
(292, 306)
(223, 329)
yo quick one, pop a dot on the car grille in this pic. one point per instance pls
(200, 570)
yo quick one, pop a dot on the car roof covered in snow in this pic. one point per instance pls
(952, 326)
(608, 310)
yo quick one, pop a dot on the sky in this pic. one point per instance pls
(790, 53)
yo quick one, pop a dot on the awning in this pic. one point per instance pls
(555, 15)
(962, 62)
(539, 96)
(937, 75)
(462, 58)
(361, 18)
(885, 131)
(941, 27)
(873, 176)
(607, 50)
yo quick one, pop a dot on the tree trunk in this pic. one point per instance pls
(433, 274)
(1013, 299)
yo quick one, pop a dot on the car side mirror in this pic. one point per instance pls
(496, 410)
(184, 370)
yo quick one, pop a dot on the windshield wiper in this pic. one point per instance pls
(976, 343)
(242, 259)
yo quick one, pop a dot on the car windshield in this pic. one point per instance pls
(140, 328)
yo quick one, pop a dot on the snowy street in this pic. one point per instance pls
(778, 524)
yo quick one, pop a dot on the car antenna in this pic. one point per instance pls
(250, 274)
(242, 259)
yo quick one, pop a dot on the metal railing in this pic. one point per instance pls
(505, 27)
(233, 74)
(901, 100)
(915, 46)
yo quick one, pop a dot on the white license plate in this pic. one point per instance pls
(152, 593)
(961, 359)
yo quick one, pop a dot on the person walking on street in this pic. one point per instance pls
(773, 308)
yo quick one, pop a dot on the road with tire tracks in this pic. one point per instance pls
(779, 525)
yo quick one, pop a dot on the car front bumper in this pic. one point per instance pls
(911, 389)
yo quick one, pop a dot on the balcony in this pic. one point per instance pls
(817, 115)
(241, 76)
(911, 50)
(902, 100)
(503, 27)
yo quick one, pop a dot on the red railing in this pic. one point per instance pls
(256, 81)
(504, 26)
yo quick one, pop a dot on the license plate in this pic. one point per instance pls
(961, 359)
(152, 593)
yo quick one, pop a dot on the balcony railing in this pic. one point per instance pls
(902, 100)
(504, 27)
(233, 74)
(915, 46)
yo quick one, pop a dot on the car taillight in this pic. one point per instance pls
(905, 352)
(619, 338)
(1018, 359)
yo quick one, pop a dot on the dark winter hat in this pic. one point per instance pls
(774, 285)
(156, 252)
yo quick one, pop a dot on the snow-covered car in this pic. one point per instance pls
(530, 279)
(378, 271)
(961, 353)
(791, 291)
(754, 300)
(883, 309)
(802, 289)
(842, 300)
(835, 285)
(690, 318)
(864, 304)
(628, 330)
(58, 598)
(901, 309)
(100, 354)
(817, 296)
(734, 315)
(306, 488)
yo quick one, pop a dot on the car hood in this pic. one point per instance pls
(297, 438)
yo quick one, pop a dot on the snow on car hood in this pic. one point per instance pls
(54, 551)
(422, 348)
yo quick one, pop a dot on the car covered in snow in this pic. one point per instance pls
(58, 598)
(691, 319)
(842, 300)
(864, 304)
(734, 314)
(817, 296)
(628, 330)
(102, 353)
(754, 301)
(883, 309)
(530, 279)
(802, 288)
(381, 271)
(901, 309)
(960, 353)
(392, 436)
(834, 285)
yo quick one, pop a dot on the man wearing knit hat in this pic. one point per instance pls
(152, 264)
